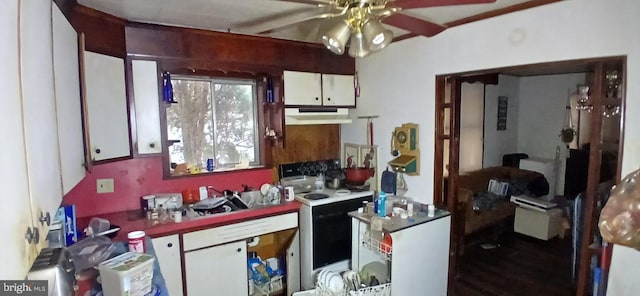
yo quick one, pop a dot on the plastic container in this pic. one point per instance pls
(137, 242)
(128, 274)
(382, 204)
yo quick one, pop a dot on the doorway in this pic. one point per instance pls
(606, 115)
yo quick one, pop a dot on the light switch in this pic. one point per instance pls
(104, 185)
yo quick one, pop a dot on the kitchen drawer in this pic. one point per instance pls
(233, 232)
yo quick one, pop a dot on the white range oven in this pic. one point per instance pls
(325, 227)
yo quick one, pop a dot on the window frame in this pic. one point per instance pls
(258, 92)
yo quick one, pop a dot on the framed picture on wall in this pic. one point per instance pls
(502, 112)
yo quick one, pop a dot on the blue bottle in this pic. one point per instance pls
(382, 204)
(270, 95)
(375, 205)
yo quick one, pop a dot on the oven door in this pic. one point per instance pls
(332, 231)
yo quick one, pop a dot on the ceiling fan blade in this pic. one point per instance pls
(409, 4)
(312, 2)
(413, 25)
(284, 20)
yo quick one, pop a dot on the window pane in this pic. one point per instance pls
(190, 122)
(235, 137)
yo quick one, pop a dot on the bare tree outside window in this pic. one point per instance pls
(213, 119)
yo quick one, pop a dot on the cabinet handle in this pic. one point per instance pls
(45, 218)
(170, 245)
(98, 150)
(239, 250)
(328, 99)
(29, 235)
(317, 99)
(152, 145)
(36, 235)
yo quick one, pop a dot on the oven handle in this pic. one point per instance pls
(328, 215)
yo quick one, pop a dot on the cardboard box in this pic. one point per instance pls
(539, 224)
(66, 215)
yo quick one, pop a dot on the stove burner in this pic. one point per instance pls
(316, 196)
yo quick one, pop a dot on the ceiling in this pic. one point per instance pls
(278, 18)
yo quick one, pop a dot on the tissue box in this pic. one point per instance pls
(128, 274)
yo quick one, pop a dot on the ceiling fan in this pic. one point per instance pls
(359, 22)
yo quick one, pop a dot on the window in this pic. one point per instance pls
(214, 119)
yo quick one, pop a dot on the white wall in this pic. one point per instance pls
(498, 143)
(543, 101)
(398, 83)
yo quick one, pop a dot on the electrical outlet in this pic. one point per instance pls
(105, 185)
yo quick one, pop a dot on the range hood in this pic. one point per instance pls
(302, 116)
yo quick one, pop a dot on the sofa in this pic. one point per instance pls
(475, 184)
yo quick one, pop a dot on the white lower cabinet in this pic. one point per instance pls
(168, 255)
(215, 259)
(219, 270)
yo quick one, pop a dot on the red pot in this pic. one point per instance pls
(357, 176)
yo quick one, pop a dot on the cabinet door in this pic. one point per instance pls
(168, 255)
(145, 93)
(107, 106)
(337, 90)
(67, 90)
(219, 270)
(39, 111)
(17, 212)
(302, 89)
(293, 265)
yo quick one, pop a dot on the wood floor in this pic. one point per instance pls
(520, 266)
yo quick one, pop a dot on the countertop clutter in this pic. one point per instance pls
(134, 220)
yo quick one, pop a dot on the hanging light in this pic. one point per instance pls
(337, 37)
(583, 101)
(360, 27)
(357, 48)
(375, 35)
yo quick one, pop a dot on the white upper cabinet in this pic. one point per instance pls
(67, 90)
(338, 90)
(17, 254)
(106, 106)
(315, 89)
(39, 112)
(146, 100)
(302, 88)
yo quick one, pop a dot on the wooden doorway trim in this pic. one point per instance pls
(595, 66)
(448, 98)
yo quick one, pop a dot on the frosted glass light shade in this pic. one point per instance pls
(337, 37)
(357, 48)
(375, 35)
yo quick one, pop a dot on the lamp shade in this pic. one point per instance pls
(337, 37)
(376, 36)
(357, 48)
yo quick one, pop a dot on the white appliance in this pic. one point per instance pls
(302, 116)
(532, 203)
(325, 227)
(547, 167)
(325, 231)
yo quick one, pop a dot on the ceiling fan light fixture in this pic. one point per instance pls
(375, 35)
(357, 48)
(337, 37)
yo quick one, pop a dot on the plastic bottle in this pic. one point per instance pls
(319, 184)
(382, 204)
(270, 94)
(375, 205)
